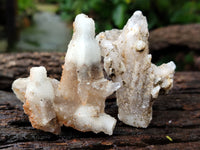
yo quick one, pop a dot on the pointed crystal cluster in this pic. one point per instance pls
(126, 60)
(78, 100)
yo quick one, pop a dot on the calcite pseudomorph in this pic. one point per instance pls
(126, 60)
(83, 88)
(78, 100)
(37, 92)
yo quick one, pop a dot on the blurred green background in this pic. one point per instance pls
(46, 25)
(114, 13)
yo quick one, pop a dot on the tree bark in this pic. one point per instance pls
(183, 36)
(16, 65)
(175, 124)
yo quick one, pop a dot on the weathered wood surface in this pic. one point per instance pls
(15, 65)
(176, 115)
(183, 36)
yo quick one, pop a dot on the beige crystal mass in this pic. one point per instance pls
(126, 60)
(37, 92)
(78, 100)
(83, 89)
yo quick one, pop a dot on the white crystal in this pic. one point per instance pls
(37, 93)
(78, 100)
(126, 60)
(83, 48)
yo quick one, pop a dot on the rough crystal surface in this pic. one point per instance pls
(126, 60)
(78, 100)
(37, 93)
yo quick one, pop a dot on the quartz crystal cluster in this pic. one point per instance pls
(126, 60)
(78, 100)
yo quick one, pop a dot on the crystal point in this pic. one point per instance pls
(78, 100)
(126, 60)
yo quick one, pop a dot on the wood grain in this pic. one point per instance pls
(176, 115)
(16, 65)
(182, 36)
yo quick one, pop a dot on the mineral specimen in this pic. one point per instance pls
(126, 60)
(82, 91)
(37, 93)
(78, 100)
